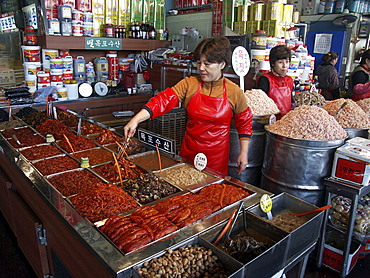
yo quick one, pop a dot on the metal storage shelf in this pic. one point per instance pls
(337, 187)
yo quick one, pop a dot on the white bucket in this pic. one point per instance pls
(77, 29)
(62, 93)
(258, 55)
(56, 63)
(294, 62)
(67, 62)
(72, 91)
(56, 75)
(31, 81)
(31, 68)
(48, 54)
(31, 53)
(88, 29)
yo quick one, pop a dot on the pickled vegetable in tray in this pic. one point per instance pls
(56, 164)
(130, 147)
(107, 137)
(40, 151)
(8, 133)
(72, 182)
(54, 127)
(148, 187)
(127, 170)
(100, 201)
(286, 221)
(35, 118)
(96, 156)
(149, 161)
(78, 143)
(90, 128)
(143, 226)
(225, 194)
(26, 140)
(67, 118)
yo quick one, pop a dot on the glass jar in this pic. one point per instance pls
(30, 37)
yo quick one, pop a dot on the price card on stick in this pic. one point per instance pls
(266, 205)
(241, 63)
(200, 161)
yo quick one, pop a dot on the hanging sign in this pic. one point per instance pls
(103, 43)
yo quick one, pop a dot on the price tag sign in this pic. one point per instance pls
(272, 119)
(152, 139)
(200, 161)
(103, 43)
(266, 205)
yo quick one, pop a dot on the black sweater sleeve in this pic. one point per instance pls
(263, 84)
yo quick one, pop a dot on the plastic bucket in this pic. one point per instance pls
(256, 149)
(258, 55)
(67, 62)
(43, 78)
(31, 81)
(31, 53)
(72, 91)
(31, 68)
(56, 75)
(298, 167)
(56, 63)
(77, 29)
(88, 29)
(67, 74)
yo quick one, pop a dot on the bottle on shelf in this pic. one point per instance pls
(152, 32)
(166, 34)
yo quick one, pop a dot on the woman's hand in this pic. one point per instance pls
(130, 128)
(243, 155)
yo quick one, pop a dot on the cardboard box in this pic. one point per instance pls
(7, 76)
(352, 163)
(333, 257)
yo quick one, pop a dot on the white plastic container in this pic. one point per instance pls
(88, 29)
(31, 68)
(31, 81)
(72, 91)
(62, 93)
(56, 75)
(77, 28)
(56, 63)
(67, 62)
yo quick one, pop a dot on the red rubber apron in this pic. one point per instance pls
(208, 129)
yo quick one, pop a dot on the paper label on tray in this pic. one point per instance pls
(200, 161)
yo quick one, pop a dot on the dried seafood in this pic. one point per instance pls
(350, 116)
(260, 103)
(308, 123)
(309, 98)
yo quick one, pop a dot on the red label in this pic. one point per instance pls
(350, 170)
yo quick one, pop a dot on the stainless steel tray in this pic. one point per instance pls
(48, 177)
(305, 235)
(208, 178)
(233, 267)
(269, 262)
(142, 159)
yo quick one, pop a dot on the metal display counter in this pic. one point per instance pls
(74, 246)
(355, 193)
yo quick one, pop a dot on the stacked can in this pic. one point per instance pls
(77, 24)
(43, 79)
(31, 65)
(87, 24)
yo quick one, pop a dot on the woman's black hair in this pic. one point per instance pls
(330, 56)
(279, 52)
(216, 50)
(365, 55)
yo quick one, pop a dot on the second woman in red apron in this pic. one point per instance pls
(211, 102)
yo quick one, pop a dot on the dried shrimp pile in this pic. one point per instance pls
(365, 105)
(260, 103)
(309, 98)
(351, 115)
(308, 123)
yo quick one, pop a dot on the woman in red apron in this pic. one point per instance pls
(211, 102)
(277, 84)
